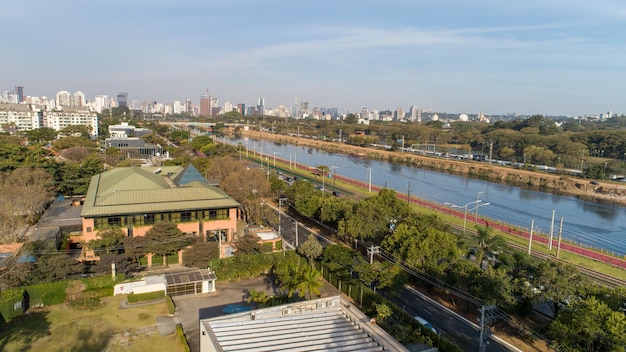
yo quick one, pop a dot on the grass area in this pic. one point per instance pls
(103, 327)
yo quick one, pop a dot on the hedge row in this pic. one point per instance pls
(37, 295)
(181, 337)
(144, 297)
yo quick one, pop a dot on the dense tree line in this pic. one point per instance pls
(533, 140)
(481, 267)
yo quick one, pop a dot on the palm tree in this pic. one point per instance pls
(310, 284)
(258, 297)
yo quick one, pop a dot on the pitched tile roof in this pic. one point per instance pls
(137, 190)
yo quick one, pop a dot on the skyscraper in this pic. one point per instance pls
(19, 90)
(205, 105)
(122, 100)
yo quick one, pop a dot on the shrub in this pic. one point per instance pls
(171, 307)
(90, 303)
(143, 297)
(182, 338)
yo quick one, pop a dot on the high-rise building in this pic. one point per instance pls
(19, 90)
(413, 113)
(261, 107)
(101, 102)
(79, 99)
(188, 107)
(205, 105)
(122, 100)
(64, 98)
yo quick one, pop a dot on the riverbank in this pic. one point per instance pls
(607, 192)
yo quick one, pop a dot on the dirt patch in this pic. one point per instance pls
(603, 191)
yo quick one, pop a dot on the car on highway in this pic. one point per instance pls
(426, 324)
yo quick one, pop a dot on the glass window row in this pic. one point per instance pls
(152, 218)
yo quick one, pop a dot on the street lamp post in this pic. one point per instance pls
(465, 209)
(370, 182)
(477, 201)
(275, 158)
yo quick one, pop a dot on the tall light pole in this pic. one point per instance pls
(477, 199)
(334, 173)
(370, 183)
(275, 158)
(465, 209)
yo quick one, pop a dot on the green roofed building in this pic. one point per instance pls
(135, 198)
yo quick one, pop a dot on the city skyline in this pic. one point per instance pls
(556, 58)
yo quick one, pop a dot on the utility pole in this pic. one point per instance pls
(530, 239)
(487, 316)
(551, 231)
(373, 250)
(558, 245)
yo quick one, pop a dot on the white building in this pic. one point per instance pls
(20, 117)
(64, 98)
(70, 116)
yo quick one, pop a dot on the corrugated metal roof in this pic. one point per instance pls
(135, 190)
(328, 324)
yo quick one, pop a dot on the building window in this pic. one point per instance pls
(148, 219)
(114, 221)
(185, 216)
(89, 229)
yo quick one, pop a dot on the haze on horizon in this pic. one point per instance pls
(534, 57)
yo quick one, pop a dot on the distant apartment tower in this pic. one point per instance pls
(261, 107)
(19, 91)
(188, 107)
(241, 108)
(365, 114)
(122, 100)
(400, 114)
(64, 98)
(205, 105)
(413, 113)
(79, 99)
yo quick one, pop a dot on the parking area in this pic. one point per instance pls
(190, 309)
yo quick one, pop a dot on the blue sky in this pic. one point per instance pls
(533, 56)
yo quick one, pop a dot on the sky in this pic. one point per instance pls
(557, 57)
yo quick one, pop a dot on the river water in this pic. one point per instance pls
(591, 224)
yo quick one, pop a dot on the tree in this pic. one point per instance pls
(44, 134)
(310, 284)
(200, 254)
(311, 249)
(558, 283)
(259, 298)
(24, 194)
(351, 119)
(248, 244)
(107, 241)
(589, 325)
(164, 238)
(200, 142)
(246, 185)
(56, 267)
(383, 312)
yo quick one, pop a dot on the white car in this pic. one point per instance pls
(426, 324)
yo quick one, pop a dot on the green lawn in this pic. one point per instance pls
(105, 327)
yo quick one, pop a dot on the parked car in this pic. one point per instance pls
(426, 324)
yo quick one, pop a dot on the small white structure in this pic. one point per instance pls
(147, 284)
(180, 283)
